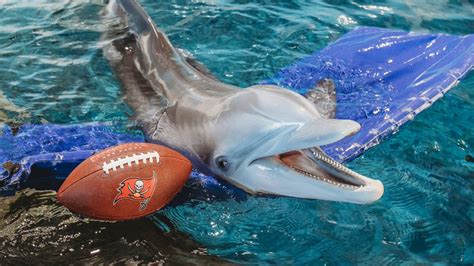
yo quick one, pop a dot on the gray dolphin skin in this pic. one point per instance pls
(263, 139)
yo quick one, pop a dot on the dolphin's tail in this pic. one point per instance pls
(167, 71)
(122, 51)
(153, 73)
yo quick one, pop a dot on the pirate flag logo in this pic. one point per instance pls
(136, 189)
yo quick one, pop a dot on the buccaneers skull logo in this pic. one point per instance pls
(136, 189)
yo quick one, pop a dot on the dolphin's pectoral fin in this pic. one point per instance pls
(323, 95)
(164, 130)
(200, 67)
(196, 64)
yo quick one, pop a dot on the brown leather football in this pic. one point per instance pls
(125, 182)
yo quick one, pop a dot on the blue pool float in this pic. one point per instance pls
(383, 79)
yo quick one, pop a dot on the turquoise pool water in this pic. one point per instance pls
(52, 70)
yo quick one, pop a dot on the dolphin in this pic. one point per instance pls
(263, 139)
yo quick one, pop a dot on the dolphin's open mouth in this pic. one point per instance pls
(311, 174)
(306, 171)
(314, 163)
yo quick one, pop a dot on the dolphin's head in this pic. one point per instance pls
(267, 141)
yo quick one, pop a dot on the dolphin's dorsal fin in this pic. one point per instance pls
(323, 95)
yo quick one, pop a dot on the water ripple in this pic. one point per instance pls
(37, 229)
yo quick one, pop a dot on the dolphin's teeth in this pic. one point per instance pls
(323, 179)
(345, 186)
(335, 164)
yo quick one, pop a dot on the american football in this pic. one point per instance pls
(125, 182)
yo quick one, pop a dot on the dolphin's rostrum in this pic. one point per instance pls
(263, 139)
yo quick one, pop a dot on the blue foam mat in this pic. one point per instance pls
(383, 79)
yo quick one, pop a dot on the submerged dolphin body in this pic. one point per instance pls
(263, 139)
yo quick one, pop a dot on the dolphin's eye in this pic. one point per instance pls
(222, 163)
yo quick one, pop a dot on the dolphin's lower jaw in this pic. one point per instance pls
(311, 174)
